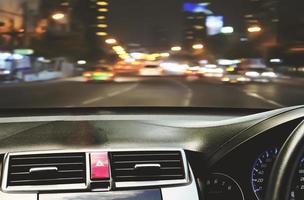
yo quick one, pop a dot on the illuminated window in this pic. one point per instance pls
(102, 3)
(102, 25)
(101, 34)
(248, 16)
(253, 21)
(103, 10)
(101, 17)
(198, 27)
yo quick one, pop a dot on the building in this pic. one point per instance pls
(264, 13)
(102, 10)
(282, 27)
(17, 21)
(263, 16)
(291, 24)
(194, 14)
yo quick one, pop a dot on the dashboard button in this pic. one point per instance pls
(100, 169)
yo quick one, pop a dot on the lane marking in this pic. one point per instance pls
(126, 79)
(70, 106)
(188, 98)
(93, 100)
(112, 94)
(255, 95)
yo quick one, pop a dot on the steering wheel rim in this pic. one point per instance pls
(285, 166)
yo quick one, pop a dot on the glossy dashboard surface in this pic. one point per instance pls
(216, 143)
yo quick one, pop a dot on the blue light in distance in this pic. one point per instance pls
(197, 8)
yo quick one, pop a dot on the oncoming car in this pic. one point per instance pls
(234, 75)
(263, 75)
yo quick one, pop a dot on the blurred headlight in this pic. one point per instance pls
(225, 79)
(252, 74)
(195, 68)
(269, 74)
(6, 72)
(176, 67)
(168, 65)
(242, 79)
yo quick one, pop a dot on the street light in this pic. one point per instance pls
(227, 30)
(58, 16)
(197, 46)
(111, 41)
(176, 48)
(81, 62)
(165, 55)
(254, 29)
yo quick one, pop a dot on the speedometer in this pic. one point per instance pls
(261, 171)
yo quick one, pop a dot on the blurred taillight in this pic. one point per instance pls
(98, 73)
(87, 74)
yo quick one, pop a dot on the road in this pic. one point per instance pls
(161, 91)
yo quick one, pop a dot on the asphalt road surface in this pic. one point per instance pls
(152, 91)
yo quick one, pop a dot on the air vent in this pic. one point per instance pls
(46, 169)
(147, 166)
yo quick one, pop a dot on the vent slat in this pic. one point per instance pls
(50, 179)
(171, 166)
(147, 161)
(44, 157)
(46, 164)
(71, 169)
(152, 154)
(59, 171)
(162, 168)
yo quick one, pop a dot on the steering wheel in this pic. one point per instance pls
(285, 166)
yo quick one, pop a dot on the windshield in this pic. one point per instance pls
(179, 53)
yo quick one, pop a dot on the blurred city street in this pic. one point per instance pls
(102, 53)
(151, 91)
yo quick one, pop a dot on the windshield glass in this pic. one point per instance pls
(181, 53)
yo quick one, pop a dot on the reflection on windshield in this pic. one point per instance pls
(199, 53)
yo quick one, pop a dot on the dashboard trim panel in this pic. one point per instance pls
(87, 185)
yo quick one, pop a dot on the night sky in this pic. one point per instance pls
(135, 21)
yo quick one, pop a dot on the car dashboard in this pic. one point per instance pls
(131, 154)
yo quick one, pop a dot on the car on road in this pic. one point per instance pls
(193, 71)
(159, 124)
(123, 67)
(96, 74)
(211, 70)
(263, 75)
(234, 75)
(6, 74)
(151, 70)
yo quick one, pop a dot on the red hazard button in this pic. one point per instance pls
(99, 166)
